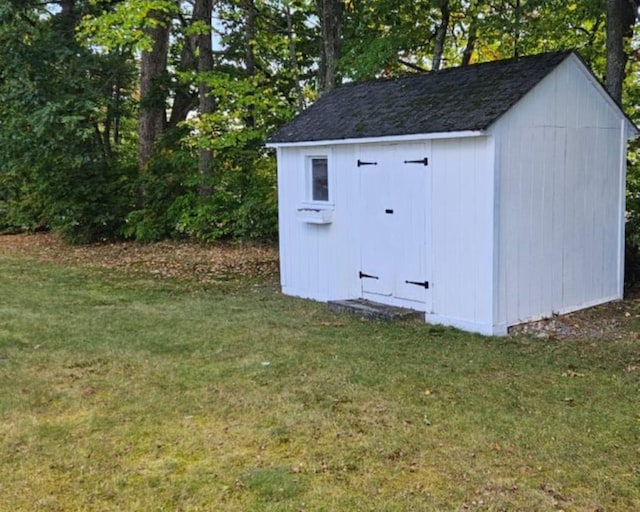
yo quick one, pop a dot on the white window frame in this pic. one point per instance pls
(308, 180)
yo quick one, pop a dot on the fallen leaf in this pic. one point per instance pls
(572, 373)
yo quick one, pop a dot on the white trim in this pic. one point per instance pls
(466, 325)
(308, 177)
(388, 138)
(622, 189)
(390, 300)
(292, 291)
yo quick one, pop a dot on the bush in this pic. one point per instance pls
(242, 203)
(632, 228)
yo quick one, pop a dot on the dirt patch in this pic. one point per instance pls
(614, 320)
(181, 260)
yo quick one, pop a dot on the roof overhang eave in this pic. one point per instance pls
(384, 139)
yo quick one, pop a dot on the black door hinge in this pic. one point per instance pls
(362, 275)
(361, 163)
(424, 284)
(424, 161)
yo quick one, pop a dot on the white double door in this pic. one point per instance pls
(394, 224)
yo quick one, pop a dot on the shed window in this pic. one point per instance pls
(319, 179)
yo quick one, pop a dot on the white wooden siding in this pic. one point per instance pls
(559, 168)
(462, 233)
(318, 261)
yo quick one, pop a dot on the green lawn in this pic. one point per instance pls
(137, 394)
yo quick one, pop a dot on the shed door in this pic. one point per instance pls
(394, 223)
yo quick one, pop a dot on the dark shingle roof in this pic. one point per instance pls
(455, 99)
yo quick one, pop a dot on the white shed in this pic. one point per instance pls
(484, 196)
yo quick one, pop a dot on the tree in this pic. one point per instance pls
(441, 33)
(621, 18)
(202, 15)
(59, 162)
(153, 91)
(330, 15)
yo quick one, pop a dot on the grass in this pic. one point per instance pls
(137, 394)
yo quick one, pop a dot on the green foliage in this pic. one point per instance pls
(163, 182)
(632, 253)
(379, 34)
(122, 26)
(238, 207)
(58, 168)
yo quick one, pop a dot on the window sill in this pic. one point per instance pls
(313, 215)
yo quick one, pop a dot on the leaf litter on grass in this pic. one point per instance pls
(185, 260)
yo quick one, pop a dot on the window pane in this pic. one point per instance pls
(319, 179)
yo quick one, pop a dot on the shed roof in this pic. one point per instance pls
(450, 100)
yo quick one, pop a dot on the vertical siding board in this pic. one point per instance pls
(598, 208)
(498, 281)
(622, 176)
(558, 233)
(283, 219)
(465, 173)
(570, 252)
(500, 137)
(288, 181)
(615, 241)
(344, 253)
(522, 226)
(441, 227)
(538, 239)
(484, 203)
(511, 228)
(461, 228)
(545, 249)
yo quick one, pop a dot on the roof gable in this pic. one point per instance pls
(466, 98)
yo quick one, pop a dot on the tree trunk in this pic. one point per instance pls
(67, 9)
(516, 29)
(202, 13)
(471, 41)
(621, 16)
(441, 33)
(184, 100)
(330, 13)
(68, 17)
(251, 15)
(293, 58)
(153, 65)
